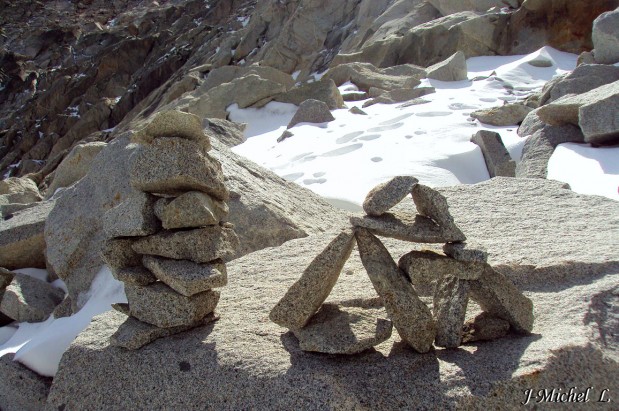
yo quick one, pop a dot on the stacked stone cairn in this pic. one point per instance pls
(169, 239)
(458, 273)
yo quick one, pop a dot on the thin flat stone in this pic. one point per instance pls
(427, 266)
(134, 334)
(450, 300)
(430, 203)
(384, 196)
(160, 305)
(137, 275)
(410, 316)
(484, 327)
(498, 296)
(465, 252)
(187, 277)
(200, 245)
(337, 329)
(174, 123)
(405, 227)
(308, 293)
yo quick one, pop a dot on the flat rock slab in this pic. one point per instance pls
(245, 361)
(384, 196)
(22, 242)
(28, 299)
(200, 245)
(163, 307)
(450, 301)
(190, 210)
(306, 295)
(173, 165)
(133, 334)
(174, 123)
(21, 388)
(339, 329)
(507, 115)
(428, 266)
(405, 226)
(186, 277)
(410, 316)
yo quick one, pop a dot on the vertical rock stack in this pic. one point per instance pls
(457, 274)
(169, 239)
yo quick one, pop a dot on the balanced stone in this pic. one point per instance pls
(450, 300)
(338, 329)
(186, 277)
(132, 217)
(306, 295)
(432, 204)
(134, 275)
(406, 227)
(172, 166)
(410, 316)
(117, 253)
(192, 209)
(464, 252)
(174, 123)
(133, 334)
(427, 266)
(200, 245)
(384, 196)
(160, 305)
(28, 299)
(499, 297)
(484, 327)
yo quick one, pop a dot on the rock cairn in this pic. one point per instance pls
(458, 273)
(169, 239)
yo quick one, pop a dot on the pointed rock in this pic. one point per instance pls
(499, 297)
(160, 305)
(133, 334)
(357, 110)
(450, 300)
(28, 299)
(132, 217)
(432, 204)
(200, 245)
(410, 316)
(192, 209)
(171, 165)
(451, 69)
(186, 277)
(311, 111)
(384, 196)
(484, 327)
(406, 227)
(339, 329)
(306, 295)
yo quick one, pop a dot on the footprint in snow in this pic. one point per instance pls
(434, 113)
(309, 181)
(300, 156)
(395, 119)
(420, 132)
(368, 137)
(319, 174)
(342, 150)
(348, 137)
(293, 176)
(462, 106)
(386, 128)
(376, 159)
(487, 99)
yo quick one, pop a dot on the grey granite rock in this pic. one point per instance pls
(324, 90)
(286, 134)
(497, 158)
(171, 165)
(354, 95)
(133, 217)
(484, 327)
(160, 305)
(186, 277)
(498, 296)
(357, 110)
(28, 299)
(451, 69)
(311, 111)
(191, 209)
(427, 266)
(227, 132)
(6, 277)
(584, 78)
(306, 295)
(117, 253)
(134, 334)
(344, 329)
(137, 275)
(200, 245)
(465, 253)
(430, 203)
(406, 227)
(385, 195)
(399, 95)
(174, 123)
(21, 388)
(506, 115)
(605, 37)
(531, 124)
(366, 75)
(410, 316)
(22, 243)
(64, 309)
(451, 298)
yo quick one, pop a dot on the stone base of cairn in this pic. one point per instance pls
(168, 241)
(459, 274)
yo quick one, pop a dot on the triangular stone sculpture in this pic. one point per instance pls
(460, 273)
